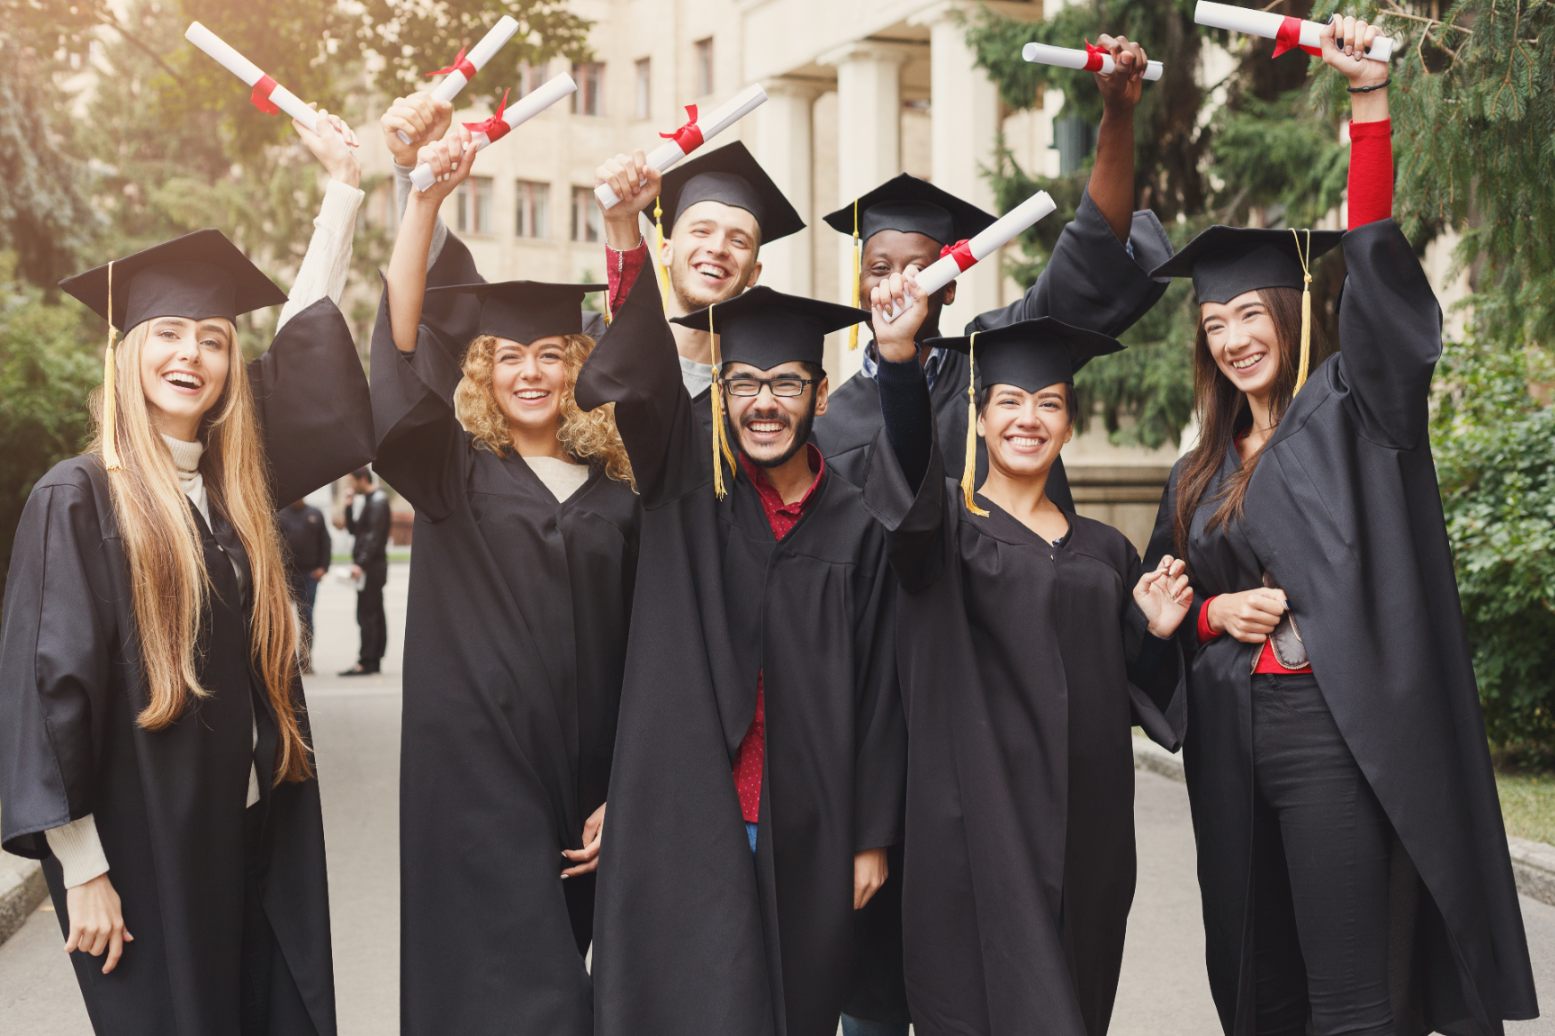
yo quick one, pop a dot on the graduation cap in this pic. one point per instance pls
(1029, 354)
(198, 276)
(1225, 262)
(910, 205)
(763, 328)
(730, 175)
(522, 311)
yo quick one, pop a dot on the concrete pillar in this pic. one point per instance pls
(781, 138)
(869, 146)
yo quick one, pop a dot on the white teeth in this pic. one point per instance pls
(532, 394)
(182, 380)
(1242, 365)
(1025, 440)
(708, 270)
(765, 426)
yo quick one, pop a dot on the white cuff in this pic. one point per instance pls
(78, 850)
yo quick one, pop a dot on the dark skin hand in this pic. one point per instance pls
(890, 252)
(1112, 178)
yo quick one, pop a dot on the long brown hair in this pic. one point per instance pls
(589, 437)
(169, 583)
(1222, 412)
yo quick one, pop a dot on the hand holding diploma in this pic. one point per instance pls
(493, 129)
(413, 122)
(465, 66)
(1288, 33)
(447, 163)
(1094, 58)
(332, 143)
(698, 129)
(1345, 42)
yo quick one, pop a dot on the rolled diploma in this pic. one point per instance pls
(249, 72)
(668, 154)
(494, 40)
(1262, 23)
(1070, 57)
(549, 92)
(1000, 233)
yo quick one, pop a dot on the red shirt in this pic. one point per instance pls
(621, 270)
(782, 517)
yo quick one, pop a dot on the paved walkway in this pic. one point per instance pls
(356, 725)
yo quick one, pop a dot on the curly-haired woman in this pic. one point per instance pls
(520, 593)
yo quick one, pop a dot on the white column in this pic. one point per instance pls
(964, 130)
(781, 139)
(869, 145)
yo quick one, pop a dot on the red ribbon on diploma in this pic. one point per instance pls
(461, 64)
(1288, 38)
(689, 137)
(961, 252)
(1093, 56)
(493, 126)
(259, 97)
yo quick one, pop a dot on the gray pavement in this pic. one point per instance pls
(356, 726)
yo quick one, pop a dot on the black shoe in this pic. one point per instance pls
(360, 670)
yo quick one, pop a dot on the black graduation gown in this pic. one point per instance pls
(1023, 667)
(516, 638)
(1344, 512)
(1090, 281)
(169, 805)
(693, 935)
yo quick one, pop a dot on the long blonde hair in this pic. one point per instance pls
(169, 582)
(589, 437)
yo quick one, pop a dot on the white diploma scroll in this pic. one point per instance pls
(250, 73)
(1073, 57)
(670, 153)
(494, 40)
(1000, 233)
(1274, 27)
(530, 105)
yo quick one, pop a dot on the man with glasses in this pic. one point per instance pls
(760, 750)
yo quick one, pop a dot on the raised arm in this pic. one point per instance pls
(451, 160)
(327, 262)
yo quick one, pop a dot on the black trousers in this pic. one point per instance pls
(369, 614)
(1321, 848)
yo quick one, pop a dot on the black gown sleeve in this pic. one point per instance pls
(56, 650)
(880, 755)
(1390, 336)
(912, 513)
(315, 416)
(635, 366)
(1091, 280)
(420, 441)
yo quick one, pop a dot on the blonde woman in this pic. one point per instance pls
(520, 594)
(154, 747)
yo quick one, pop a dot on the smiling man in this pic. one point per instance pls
(760, 755)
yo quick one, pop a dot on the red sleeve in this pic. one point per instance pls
(1205, 633)
(1371, 172)
(623, 268)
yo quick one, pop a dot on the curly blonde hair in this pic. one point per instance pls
(589, 437)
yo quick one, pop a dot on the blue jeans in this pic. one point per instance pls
(863, 1027)
(750, 833)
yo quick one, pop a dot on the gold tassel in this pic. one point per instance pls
(658, 254)
(858, 263)
(110, 400)
(969, 472)
(721, 451)
(1306, 310)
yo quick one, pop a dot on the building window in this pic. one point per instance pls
(530, 78)
(590, 96)
(587, 221)
(704, 66)
(642, 78)
(475, 201)
(534, 208)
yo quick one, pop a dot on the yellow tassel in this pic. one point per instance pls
(1306, 310)
(969, 472)
(110, 400)
(658, 254)
(721, 451)
(858, 265)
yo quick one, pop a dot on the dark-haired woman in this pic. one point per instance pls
(1352, 860)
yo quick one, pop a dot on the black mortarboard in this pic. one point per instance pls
(913, 206)
(197, 276)
(764, 328)
(1030, 354)
(730, 175)
(522, 311)
(1225, 262)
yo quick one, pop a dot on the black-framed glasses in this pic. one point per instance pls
(784, 385)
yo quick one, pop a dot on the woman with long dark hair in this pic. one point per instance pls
(154, 744)
(1352, 859)
(520, 596)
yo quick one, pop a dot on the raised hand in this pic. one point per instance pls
(898, 293)
(451, 160)
(334, 144)
(1345, 42)
(1126, 84)
(1164, 596)
(637, 184)
(421, 119)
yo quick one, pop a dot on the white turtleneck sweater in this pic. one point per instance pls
(322, 274)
